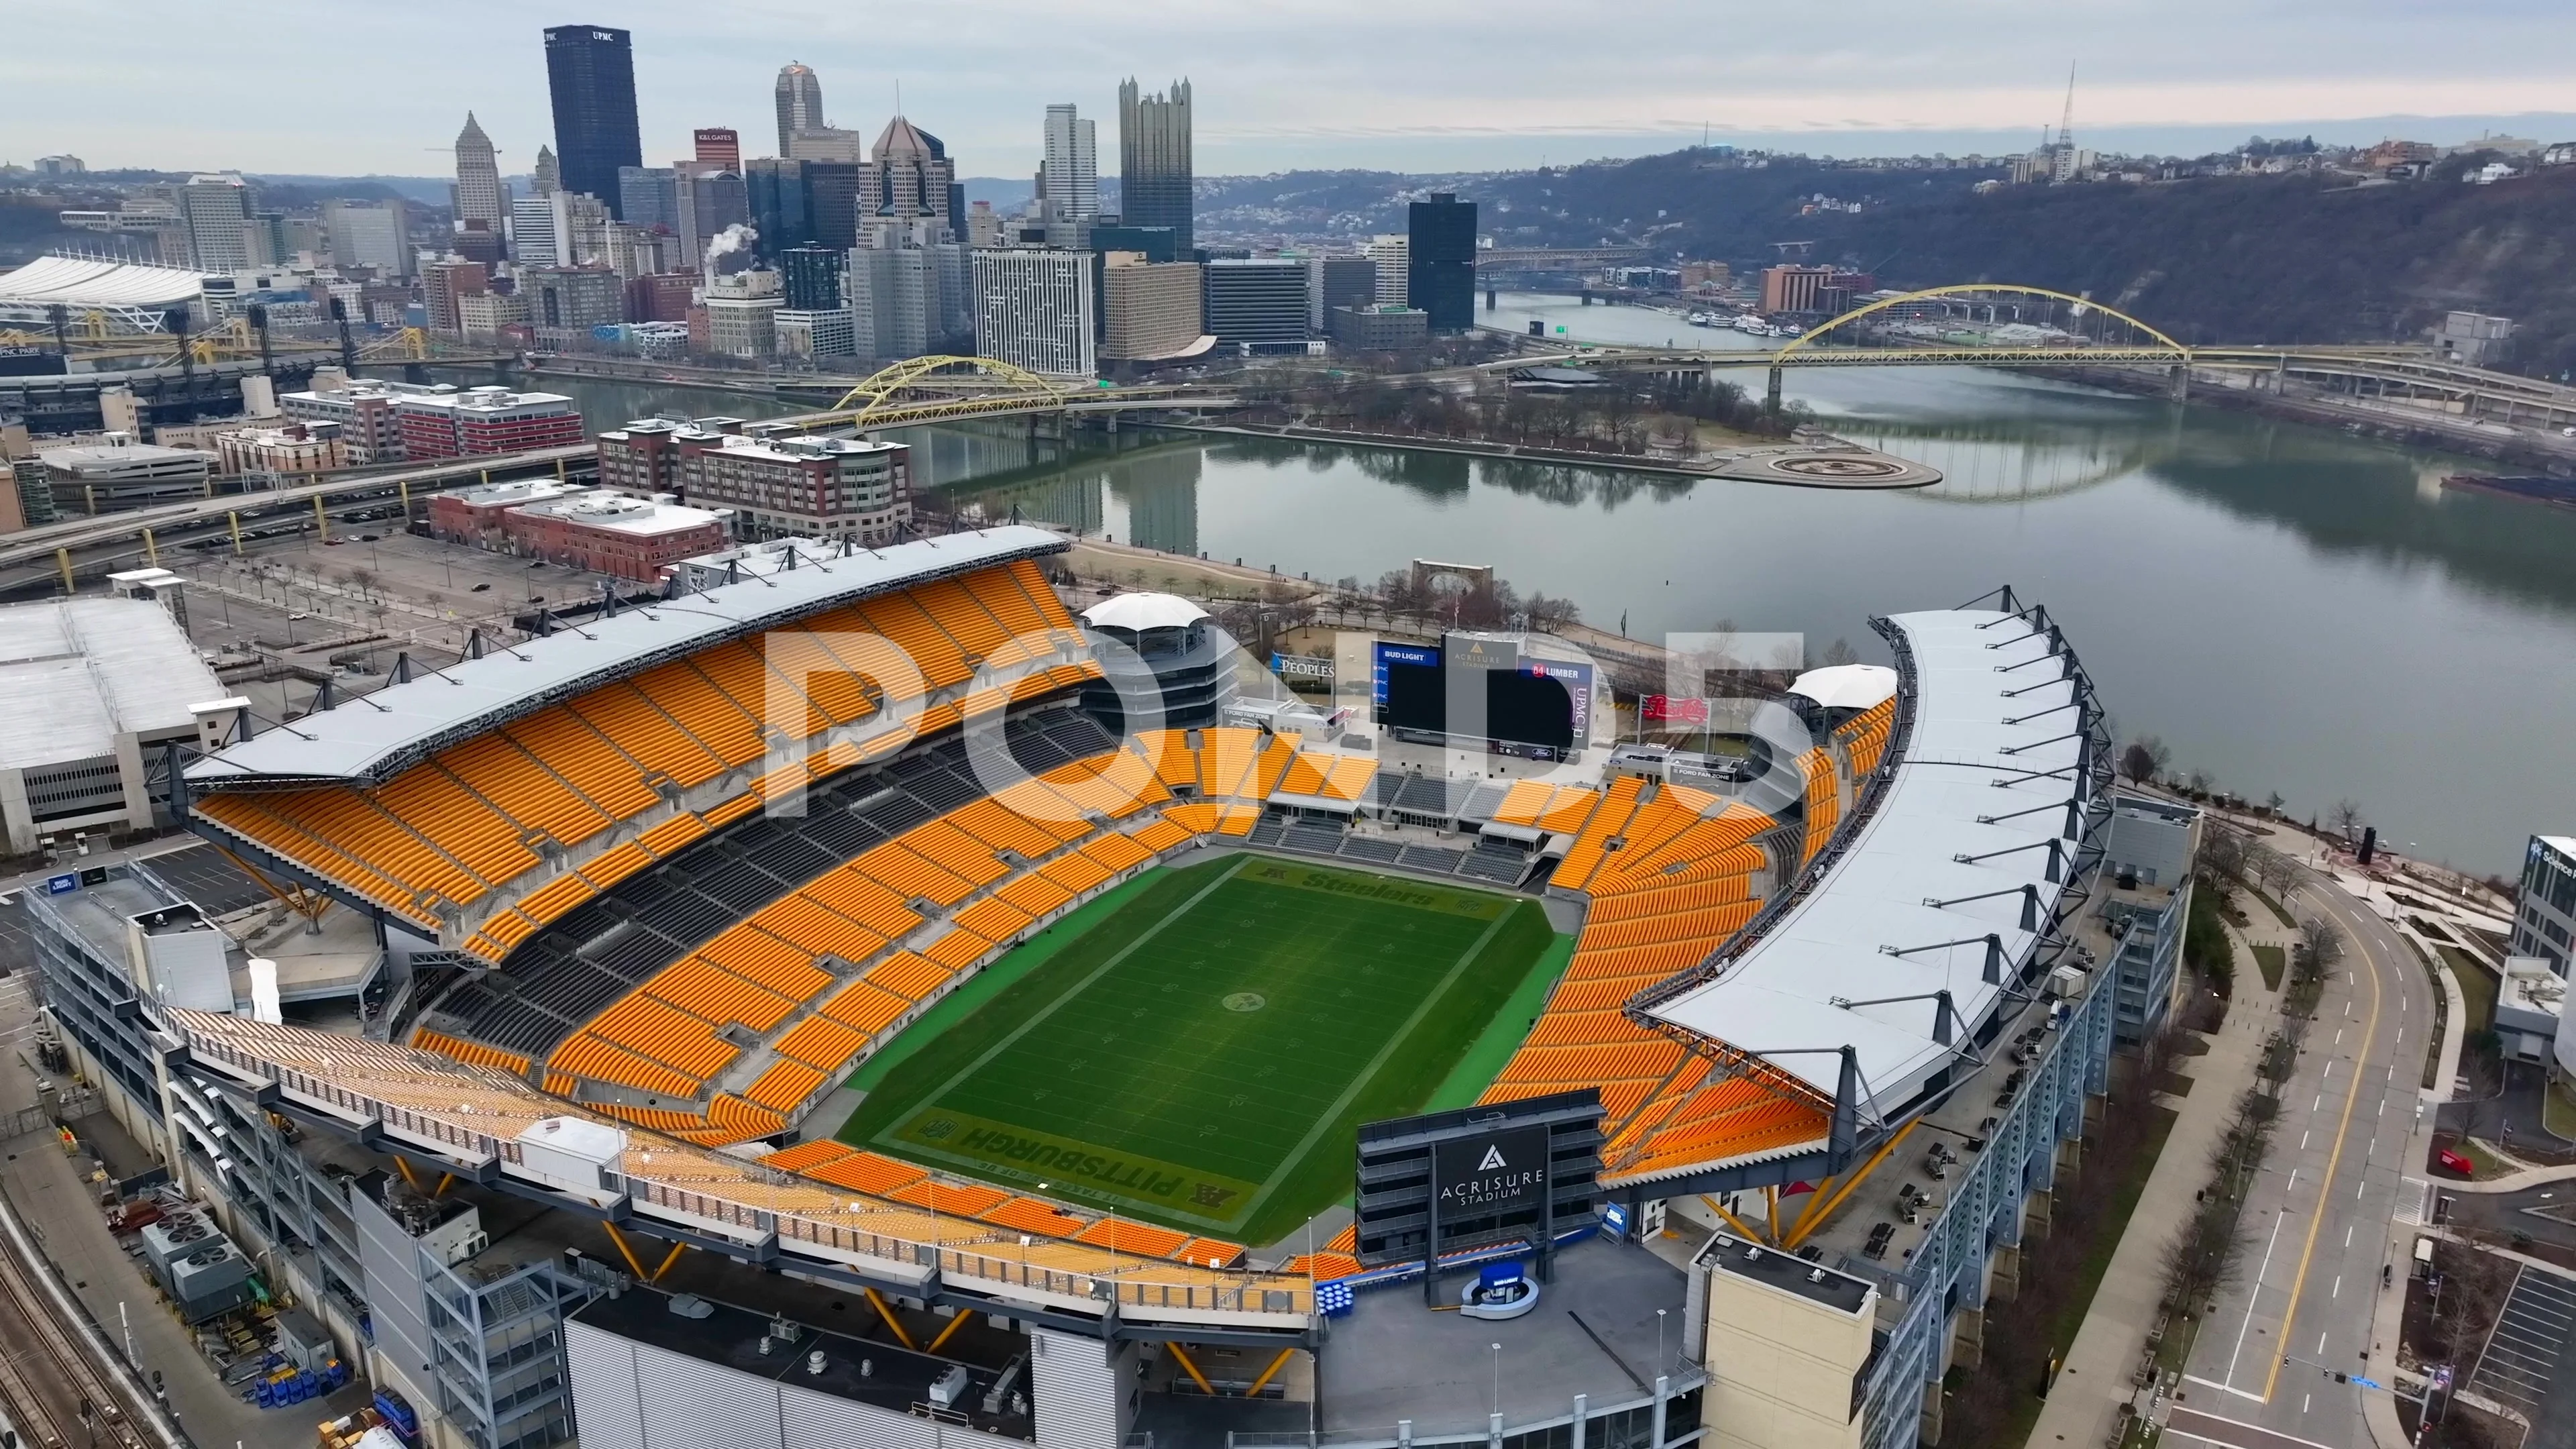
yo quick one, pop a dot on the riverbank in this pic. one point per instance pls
(2411, 427)
(1832, 463)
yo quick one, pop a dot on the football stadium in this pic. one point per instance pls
(822, 952)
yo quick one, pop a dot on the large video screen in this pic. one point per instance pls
(1417, 697)
(1529, 709)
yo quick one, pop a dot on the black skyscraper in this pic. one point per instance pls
(1441, 253)
(590, 69)
(1154, 167)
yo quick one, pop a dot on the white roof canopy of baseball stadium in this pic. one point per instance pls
(1948, 856)
(376, 736)
(133, 293)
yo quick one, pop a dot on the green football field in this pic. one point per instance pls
(1201, 1056)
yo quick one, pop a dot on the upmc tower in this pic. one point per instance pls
(590, 70)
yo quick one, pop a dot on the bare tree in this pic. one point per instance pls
(2320, 943)
(2144, 759)
(2346, 816)
(1840, 652)
(2224, 853)
(2273, 802)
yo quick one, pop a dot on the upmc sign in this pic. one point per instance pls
(1481, 1176)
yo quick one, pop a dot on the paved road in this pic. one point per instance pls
(2547, 1213)
(2320, 1219)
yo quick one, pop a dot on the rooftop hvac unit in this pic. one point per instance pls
(175, 1236)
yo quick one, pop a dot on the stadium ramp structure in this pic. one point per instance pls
(473, 804)
(1031, 1261)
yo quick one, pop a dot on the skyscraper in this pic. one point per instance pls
(718, 146)
(775, 191)
(904, 189)
(1033, 309)
(216, 211)
(590, 72)
(800, 102)
(1440, 258)
(1154, 176)
(478, 178)
(1069, 173)
(649, 196)
(546, 177)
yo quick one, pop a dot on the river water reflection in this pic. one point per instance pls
(2290, 608)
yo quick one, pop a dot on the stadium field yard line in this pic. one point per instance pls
(999, 976)
(1142, 939)
(1194, 1080)
(1297, 1154)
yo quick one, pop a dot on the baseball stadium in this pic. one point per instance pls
(825, 927)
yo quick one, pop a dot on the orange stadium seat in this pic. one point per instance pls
(659, 743)
(1029, 1215)
(864, 1008)
(870, 1172)
(784, 1087)
(820, 1041)
(806, 1156)
(958, 1199)
(910, 976)
(1124, 1236)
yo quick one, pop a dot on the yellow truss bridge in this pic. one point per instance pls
(947, 389)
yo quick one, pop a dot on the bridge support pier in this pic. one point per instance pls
(2178, 382)
(1493, 298)
(1771, 394)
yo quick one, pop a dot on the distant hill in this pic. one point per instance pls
(2215, 259)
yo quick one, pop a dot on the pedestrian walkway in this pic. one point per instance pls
(2084, 1407)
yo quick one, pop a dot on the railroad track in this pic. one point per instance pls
(45, 1376)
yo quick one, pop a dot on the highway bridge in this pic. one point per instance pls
(1854, 339)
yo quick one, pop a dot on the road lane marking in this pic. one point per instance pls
(2253, 1296)
(2222, 1388)
(2232, 1433)
(2334, 1159)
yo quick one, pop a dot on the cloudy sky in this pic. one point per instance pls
(364, 86)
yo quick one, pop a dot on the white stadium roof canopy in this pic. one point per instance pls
(1971, 841)
(1140, 612)
(376, 736)
(128, 292)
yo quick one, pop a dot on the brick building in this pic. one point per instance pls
(477, 515)
(615, 533)
(298, 447)
(830, 488)
(443, 422)
(660, 297)
(370, 423)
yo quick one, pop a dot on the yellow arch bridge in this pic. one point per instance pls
(2100, 336)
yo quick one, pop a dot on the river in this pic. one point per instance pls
(2289, 608)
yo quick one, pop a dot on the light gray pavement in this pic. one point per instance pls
(2322, 1218)
(59, 1209)
(2083, 1408)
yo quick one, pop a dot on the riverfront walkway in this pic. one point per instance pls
(2100, 1367)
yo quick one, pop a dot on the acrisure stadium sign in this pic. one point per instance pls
(1493, 1173)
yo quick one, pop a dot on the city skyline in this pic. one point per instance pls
(1282, 99)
